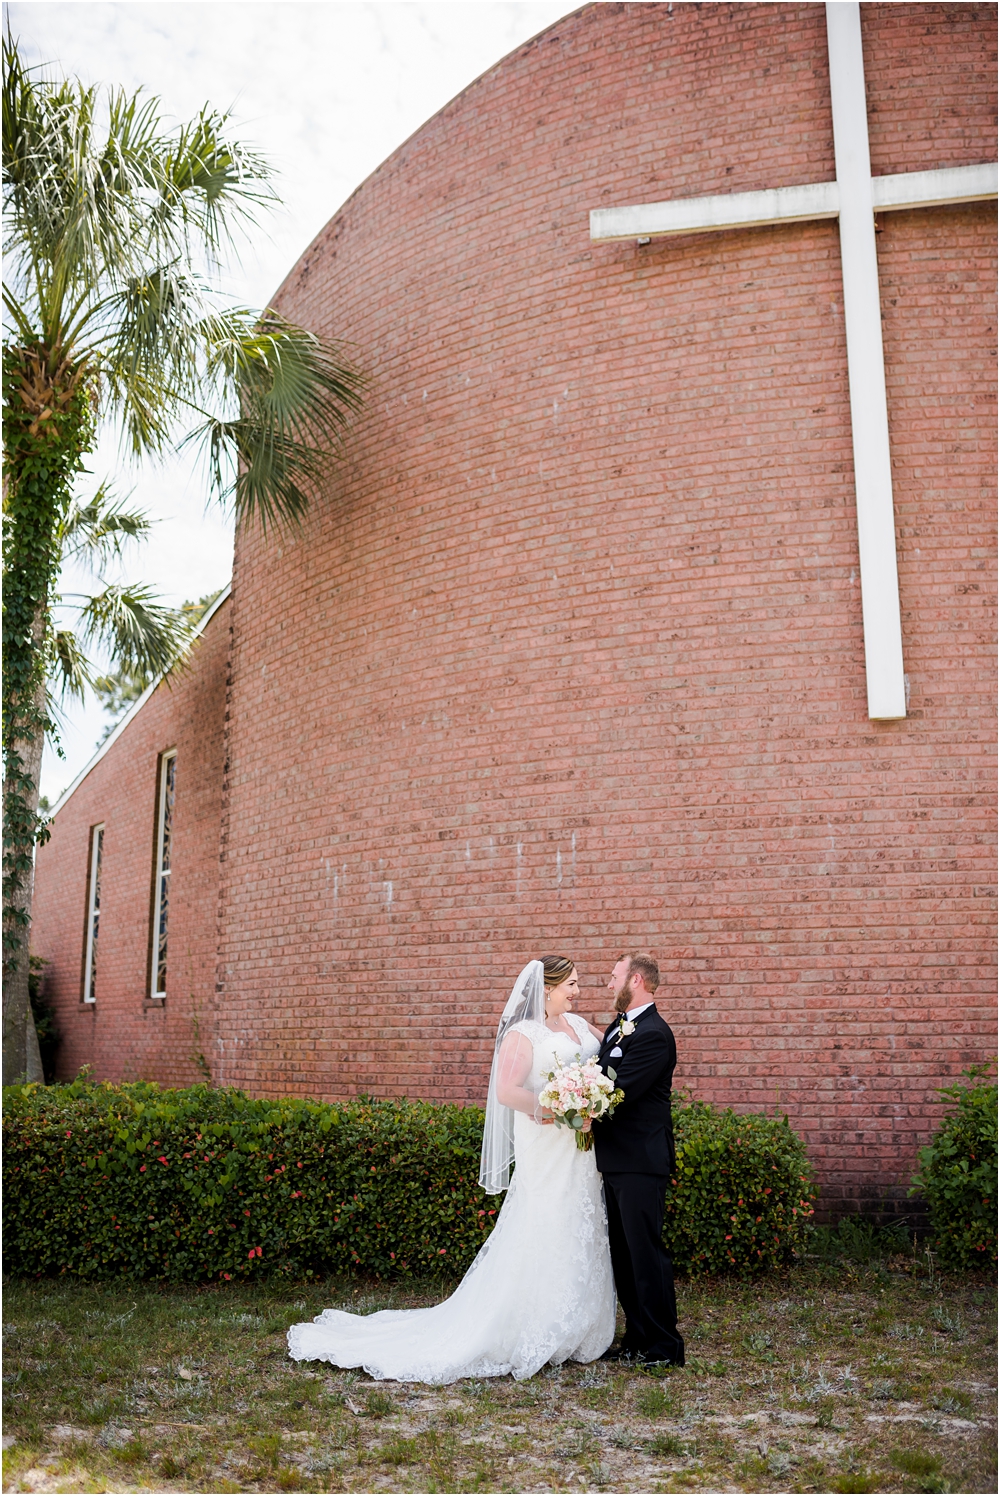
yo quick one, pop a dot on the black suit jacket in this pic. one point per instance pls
(639, 1137)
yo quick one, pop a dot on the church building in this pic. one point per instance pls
(651, 606)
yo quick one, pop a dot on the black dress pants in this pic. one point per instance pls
(644, 1274)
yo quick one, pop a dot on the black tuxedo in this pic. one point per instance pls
(634, 1149)
(639, 1137)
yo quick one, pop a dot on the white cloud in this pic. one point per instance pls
(326, 92)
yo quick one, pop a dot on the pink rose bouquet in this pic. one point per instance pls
(580, 1092)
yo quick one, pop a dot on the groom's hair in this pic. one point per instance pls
(645, 965)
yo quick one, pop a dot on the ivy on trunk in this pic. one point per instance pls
(48, 424)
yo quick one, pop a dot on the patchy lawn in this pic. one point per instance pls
(834, 1377)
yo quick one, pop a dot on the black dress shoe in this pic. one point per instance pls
(616, 1353)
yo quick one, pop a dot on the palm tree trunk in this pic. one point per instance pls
(21, 1057)
(47, 426)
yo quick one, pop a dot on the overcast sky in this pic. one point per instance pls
(326, 91)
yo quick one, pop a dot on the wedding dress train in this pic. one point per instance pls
(540, 1290)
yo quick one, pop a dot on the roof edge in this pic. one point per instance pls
(137, 706)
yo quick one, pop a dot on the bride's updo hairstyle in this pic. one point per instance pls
(556, 969)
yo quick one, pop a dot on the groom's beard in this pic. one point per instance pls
(625, 999)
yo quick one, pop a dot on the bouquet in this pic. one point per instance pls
(578, 1091)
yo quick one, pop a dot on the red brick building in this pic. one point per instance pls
(144, 813)
(570, 656)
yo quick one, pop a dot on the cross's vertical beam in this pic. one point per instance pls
(865, 366)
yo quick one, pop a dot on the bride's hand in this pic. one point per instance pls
(543, 1117)
(587, 1125)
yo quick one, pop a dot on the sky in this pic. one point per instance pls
(326, 90)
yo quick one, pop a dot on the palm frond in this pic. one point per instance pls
(154, 364)
(69, 669)
(142, 636)
(157, 319)
(19, 113)
(98, 529)
(146, 406)
(297, 395)
(20, 316)
(211, 182)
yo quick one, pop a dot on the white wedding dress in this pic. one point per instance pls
(540, 1290)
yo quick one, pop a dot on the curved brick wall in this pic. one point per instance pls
(570, 658)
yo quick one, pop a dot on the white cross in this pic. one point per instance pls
(854, 198)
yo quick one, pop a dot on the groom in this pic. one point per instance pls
(634, 1149)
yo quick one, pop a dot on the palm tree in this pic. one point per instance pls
(115, 228)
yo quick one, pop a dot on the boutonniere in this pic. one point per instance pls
(625, 1027)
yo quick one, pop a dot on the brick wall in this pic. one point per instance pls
(570, 657)
(121, 1034)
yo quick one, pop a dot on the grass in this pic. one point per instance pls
(859, 1371)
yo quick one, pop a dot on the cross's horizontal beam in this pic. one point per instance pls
(935, 189)
(700, 215)
(694, 215)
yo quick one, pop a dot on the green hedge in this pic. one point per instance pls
(744, 1194)
(106, 1181)
(109, 1181)
(958, 1174)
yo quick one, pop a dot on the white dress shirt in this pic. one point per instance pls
(631, 1016)
(633, 1013)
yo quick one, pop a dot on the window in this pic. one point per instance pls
(161, 878)
(93, 914)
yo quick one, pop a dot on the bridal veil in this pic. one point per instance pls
(526, 1001)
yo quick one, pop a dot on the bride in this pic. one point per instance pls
(540, 1289)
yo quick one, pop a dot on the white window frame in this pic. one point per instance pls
(166, 759)
(93, 911)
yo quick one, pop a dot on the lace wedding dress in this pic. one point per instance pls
(540, 1290)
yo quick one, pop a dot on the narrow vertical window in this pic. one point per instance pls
(161, 881)
(93, 914)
